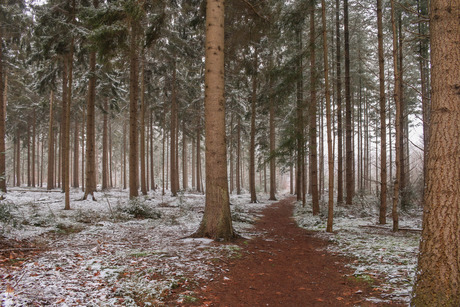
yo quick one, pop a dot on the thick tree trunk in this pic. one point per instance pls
(252, 146)
(397, 89)
(312, 115)
(217, 222)
(383, 132)
(438, 275)
(348, 112)
(339, 109)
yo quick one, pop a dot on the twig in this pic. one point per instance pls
(110, 207)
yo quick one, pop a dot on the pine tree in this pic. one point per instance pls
(438, 274)
(216, 222)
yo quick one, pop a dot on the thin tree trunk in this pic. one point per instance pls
(252, 147)
(348, 111)
(272, 141)
(152, 168)
(50, 179)
(238, 158)
(105, 145)
(397, 89)
(173, 126)
(76, 157)
(312, 112)
(133, 111)
(339, 109)
(142, 131)
(90, 178)
(83, 150)
(66, 156)
(34, 124)
(299, 123)
(124, 156)
(2, 120)
(330, 156)
(184, 159)
(383, 132)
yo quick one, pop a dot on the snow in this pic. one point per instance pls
(378, 253)
(99, 254)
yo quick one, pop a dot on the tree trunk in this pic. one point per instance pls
(216, 222)
(90, 178)
(397, 89)
(339, 109)
(438, 274)
(383, 132)
(173, 126)
(124, 156)
(348, 111)
(2, 121)
(105, 145)
(252, 147)
(184, 159)
(238, 158)
(312, 115)
(142, 140)
(330, 157)
(230, 148)
(272, 142)
(133, 111)
(66, 147)
(34, 124)
(50, 179)
(152, 168)
(299, 122)
(76, 157)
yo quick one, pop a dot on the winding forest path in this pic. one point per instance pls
(286, 266)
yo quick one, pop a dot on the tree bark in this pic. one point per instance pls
(299, 129)
(105, 146)
(184, 159)
(173, 135)
(383, 132)
(142, 140)
(2, 121)
(438, 274)
(90, 178)
(272, 142)
(76, 157)
(133, 110)
(50, 179)
(312, 114)
(397, 89)
(238, 158)
(216, 222)
(339, 109)
(252, 146)
(348, 112)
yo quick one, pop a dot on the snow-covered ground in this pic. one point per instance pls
(115, 252)
(100, 254)
(378, 252)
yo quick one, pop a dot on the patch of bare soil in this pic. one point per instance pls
(286, 266)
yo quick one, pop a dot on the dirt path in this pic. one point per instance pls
(287, 266)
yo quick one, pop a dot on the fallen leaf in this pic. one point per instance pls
(9, 289)
(339, 298)
(319, 300)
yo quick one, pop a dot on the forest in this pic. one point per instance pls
(145, 143)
